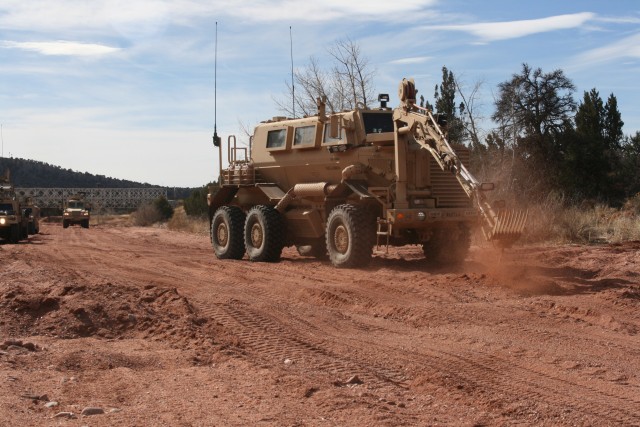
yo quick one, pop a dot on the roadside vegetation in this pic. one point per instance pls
(151, 213)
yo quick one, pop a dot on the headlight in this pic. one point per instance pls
(85, 213)
(421, 216)
(3, 221)
(66, 214)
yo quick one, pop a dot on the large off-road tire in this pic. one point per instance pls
(31, 229)
(14, 234)
(350, 236)
(227, 232)
(316, 249)
(264, 234)
(448, 245)
(85, 223)
(65, 223)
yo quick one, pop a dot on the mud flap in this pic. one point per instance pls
(360, 188)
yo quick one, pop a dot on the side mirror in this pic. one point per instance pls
(216, 140)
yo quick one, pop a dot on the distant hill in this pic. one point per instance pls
(31, 173)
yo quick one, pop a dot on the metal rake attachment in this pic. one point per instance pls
(507, 227)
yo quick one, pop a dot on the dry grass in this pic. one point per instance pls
(180, 221)
(552, 221)
(146, 215)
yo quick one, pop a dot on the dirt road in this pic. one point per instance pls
(147, 326)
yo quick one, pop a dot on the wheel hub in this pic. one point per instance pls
(256, 235)
(341, 239)
(222, 234)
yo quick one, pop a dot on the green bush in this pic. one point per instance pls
(163, 207)
(196, 203)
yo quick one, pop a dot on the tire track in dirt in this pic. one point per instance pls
(273, 342)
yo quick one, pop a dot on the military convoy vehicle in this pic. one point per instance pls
(14, 218)
(337, 185)
(76, 211)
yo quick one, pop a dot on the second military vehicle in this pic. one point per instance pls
(14, 218)
(76, 211)
(339, 184)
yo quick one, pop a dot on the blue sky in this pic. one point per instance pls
(125, 88)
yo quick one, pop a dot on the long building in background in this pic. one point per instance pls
(100, 198)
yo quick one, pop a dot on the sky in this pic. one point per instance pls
(131, 89)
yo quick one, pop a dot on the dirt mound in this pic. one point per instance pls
(102, 310)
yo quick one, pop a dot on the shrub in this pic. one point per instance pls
(146, 215)
(163, 207)
(151, 213)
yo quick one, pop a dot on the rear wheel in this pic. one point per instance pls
(264, 234)
(448, 245)
(227, 227)
(350, 236)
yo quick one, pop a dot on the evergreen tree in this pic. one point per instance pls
(534, 109)
(445, 104)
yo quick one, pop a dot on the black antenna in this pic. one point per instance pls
(216, 138)
(293, 87)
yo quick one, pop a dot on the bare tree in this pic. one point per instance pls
(345, 86)
(469, 111)
(352, 71)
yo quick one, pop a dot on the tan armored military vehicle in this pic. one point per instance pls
(339, 184)
(76, 212)
(14, 218)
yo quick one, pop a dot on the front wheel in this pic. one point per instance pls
(264, 234)
(65, 224)
(350, 235)
(227, 227)
(14, 234)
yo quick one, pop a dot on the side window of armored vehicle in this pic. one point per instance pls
(378, 122)
(328, 139)
(305, 137)
(276, 139)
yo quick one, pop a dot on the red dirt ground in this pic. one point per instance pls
(148, 326)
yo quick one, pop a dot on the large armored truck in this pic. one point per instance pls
(76, 211)
(339, 184)
(14, 218)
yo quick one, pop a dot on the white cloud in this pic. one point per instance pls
(132, 17)
(412, 60)
(628, 47)
(356, 10)
(492, 31)
(62, 48)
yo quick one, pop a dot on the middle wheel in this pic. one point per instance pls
(264, 234)
(350, 236)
